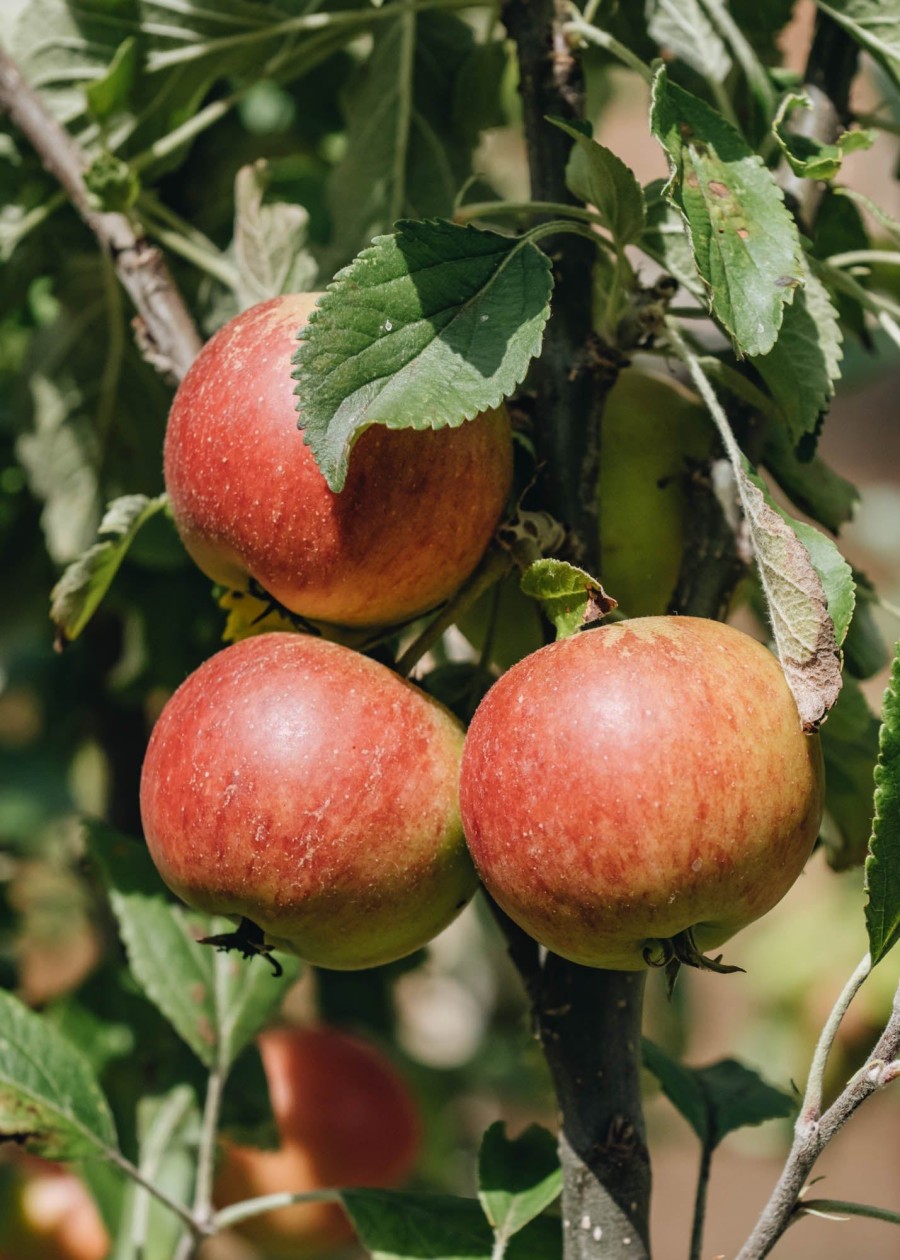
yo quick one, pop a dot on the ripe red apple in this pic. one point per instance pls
(311, 790)
(46, 1213)
(345, 1118)
(411, 523)
(637, 782)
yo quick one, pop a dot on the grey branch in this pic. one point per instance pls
(164, 329)
(813, 1133)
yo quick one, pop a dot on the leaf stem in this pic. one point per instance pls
(184, 1214)
(495, 565)
(854, 257)
(811, 1108)
(700, 1202)
(226, 1217)
(830, 1207)
(492, 209)
(594, 35)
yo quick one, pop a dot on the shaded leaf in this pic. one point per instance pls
(269, 241)
(744, 241)
(850, 750)
(78, 593)
(874, 24)
(804, 632)
(50, 1099)
(890, 224)
(816, 489)
(865, 650)
(217, 1002)
(803, 365)
(517, 1178)
(569, 596)
(666, 239)
(883, 862)
(109, 94)
(683, 27)
(717, 1099)
(808, 157)
(427, 328)
(595, 175)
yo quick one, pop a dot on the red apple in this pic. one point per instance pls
(345, 1118)
(638, 782)
(311, 790)
(47, 1214)
(411, 523)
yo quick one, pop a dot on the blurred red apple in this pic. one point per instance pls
(311, 790)
(411, 523)
(345, 1118)
(46, 1213)
(638, 782)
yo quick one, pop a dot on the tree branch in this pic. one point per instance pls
(164, 329)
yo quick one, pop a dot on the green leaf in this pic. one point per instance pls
(427, 328)
(874, 24)
(803, 625)
(881, 217)
(803, 365)
(112, 183)
(409, 142)
(816, 489)
(270, 241)
(718, 1099)
(78, 593)
(865, 650)
(744, 241)
(393, 1225)
(883, 862)
(850, 750)
(666, 239)
(517, 1178)
(216, 1001)
(569, 596)
(682, 27)
(595, 175)
(50, 1099)
(109, 94)
(808, 157)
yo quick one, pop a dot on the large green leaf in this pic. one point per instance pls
(717, 1099)
(744, 241)
(517, 1178)
(803, 365)
(883, 862)
(427, 328)
(50, 1099)
(874, 24)
(216, 1001)
(850, 750)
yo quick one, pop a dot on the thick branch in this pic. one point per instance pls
(812, 1135)
(164, 328)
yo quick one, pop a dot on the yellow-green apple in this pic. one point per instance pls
(345, 1117)
(640, 791)
(653, 429)
(46, 1213)
(309, 789)
(416, 513)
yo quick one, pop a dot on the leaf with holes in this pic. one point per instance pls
(744, 241)
(569, 596)
(427, 328)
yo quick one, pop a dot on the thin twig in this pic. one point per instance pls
(165, 330)
(812, 1099)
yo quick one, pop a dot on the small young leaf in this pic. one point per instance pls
(570, 597)
(816, 489)
(50, 1100)
(717, 1099)
(269, 241)
(517, 1178)
(808, 157)
(427, 328)
(802, 366)
(683, 28)
(108, 94)
(217, 1002)
(595, 175)
(744, 241)
(78, 593)
(804, 632)
(850, 750)
(874, 24)
(883, 862)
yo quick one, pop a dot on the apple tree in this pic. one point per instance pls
(463, 415)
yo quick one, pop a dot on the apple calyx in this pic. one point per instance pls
(249, 940)
(681, 950)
